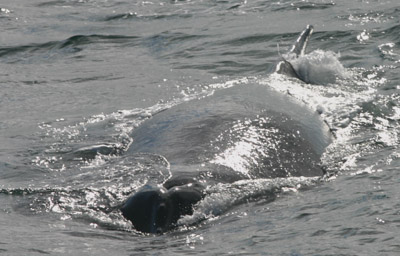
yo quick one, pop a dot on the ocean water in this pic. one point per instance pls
(77, 76)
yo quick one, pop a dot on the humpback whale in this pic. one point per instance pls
(241, 132)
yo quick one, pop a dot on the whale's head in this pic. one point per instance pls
(157, 210)
(149, 210)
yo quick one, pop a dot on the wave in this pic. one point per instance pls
(372, 16)
(158, 44)
(301, 5)
(391, 33)
(68, 46)
(166, 40)
(130, 16)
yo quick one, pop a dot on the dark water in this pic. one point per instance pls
(77, 76)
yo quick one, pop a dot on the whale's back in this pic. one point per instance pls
(200, 130)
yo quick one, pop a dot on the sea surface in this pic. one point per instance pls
(77, 76)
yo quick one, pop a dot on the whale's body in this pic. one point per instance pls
(243, 132)
(186, 134)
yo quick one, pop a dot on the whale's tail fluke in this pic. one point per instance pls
(298, 48)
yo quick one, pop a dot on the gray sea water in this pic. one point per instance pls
(77, 76)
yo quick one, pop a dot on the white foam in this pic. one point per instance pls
(222, 197)
(341, 99)
(319, 67)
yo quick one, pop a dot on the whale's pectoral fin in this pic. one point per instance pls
(298, 49)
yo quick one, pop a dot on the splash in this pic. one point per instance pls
(222, 197)
(319, 67)
(362, 120)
